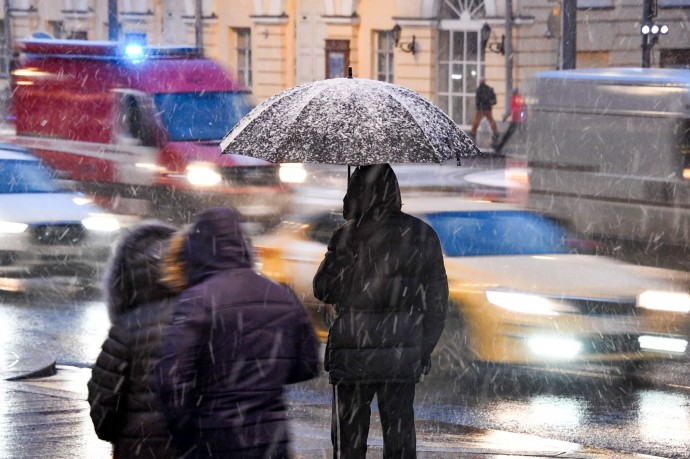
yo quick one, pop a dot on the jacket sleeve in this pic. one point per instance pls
(307, 362)
(332, 278)
(107, 386)
(177, 371)
(436, 299)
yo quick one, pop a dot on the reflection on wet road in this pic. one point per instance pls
(651, 418)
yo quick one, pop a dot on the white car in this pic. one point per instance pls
(46, 232)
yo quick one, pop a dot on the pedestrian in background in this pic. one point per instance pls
(125, 408)
(485, 99)
(518, 114)
(235, 341)
(384, 274)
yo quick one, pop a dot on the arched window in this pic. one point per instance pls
(460, 57)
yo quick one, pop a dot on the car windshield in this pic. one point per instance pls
(201, 116)
(22, 176)
(486, 233)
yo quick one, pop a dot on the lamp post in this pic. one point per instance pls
(7, 38)
(198, 26)
(569, 34)
(650, 31)
(113, 28)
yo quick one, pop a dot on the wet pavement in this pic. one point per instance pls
(49, 417)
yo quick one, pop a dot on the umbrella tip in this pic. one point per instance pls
(349, 72)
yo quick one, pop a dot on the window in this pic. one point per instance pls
(674, 3)
(244, 57)
(594, 4)
(77, 35)
(385, 45)
(57, 29)
(337, 58)
(460, 64)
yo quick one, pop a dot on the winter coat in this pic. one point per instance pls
(383, 271)
(237, 338)
(485, 97)
(125, 407)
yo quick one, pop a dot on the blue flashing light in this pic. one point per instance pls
(134, 51)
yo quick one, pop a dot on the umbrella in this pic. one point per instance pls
(350, 121)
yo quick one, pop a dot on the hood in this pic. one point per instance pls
(372, 189)
(215, 242)
(133, 276)
(562, 275)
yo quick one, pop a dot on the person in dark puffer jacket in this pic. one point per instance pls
(125, 407)
(235, 341)
(384, 274)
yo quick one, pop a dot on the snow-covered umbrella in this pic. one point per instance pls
(349, 121)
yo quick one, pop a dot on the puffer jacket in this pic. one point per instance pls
(237, 339)
(485, 97)
(384, 273)
(125, 407)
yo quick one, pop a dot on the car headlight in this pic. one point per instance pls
(526, 303)
(12, 227)
(101, 223)
(203, 175)
(292, 173)
(554, 346)
(664, 301)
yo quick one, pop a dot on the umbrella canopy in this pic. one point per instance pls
(349, 121)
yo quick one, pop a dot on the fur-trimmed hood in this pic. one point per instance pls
(213, 242)
(133, 277)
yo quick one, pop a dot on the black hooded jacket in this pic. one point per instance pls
(236, 339)
(384, 273)
(125, 408)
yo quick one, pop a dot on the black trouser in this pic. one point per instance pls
(351, 415)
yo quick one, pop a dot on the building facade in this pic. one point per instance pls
(439, 48)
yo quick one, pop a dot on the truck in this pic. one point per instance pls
(139, 128)
(608, 152)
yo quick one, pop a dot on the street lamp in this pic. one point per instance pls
(405, 47)
(650, 30)
(495, 47)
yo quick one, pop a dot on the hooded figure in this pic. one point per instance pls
(125, 408)
(236, 340)
(384, 274)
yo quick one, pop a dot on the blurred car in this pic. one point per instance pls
(47, 232)
(521, 290)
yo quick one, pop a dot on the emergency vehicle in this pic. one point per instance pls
(141, 127)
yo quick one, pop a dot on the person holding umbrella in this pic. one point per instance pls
(384, 274)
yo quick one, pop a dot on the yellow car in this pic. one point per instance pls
(519, 293)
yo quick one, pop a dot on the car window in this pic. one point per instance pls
(466, 234)
(21, 176)
(324, 226)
